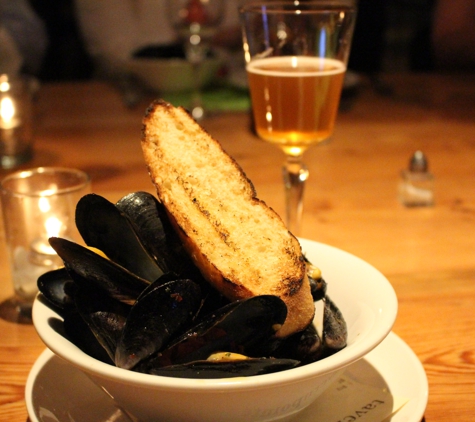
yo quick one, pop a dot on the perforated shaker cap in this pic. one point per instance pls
(418, 162)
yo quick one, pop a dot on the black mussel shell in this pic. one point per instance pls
(335, 331)
(239, 327)
(145, 212)
(210, 298)
(226, 369)
(98, 271)
(163, 279)
(318, 286)
(79, 333)
(157, 316)
(103, 226)
(58, 288)
(305, 346)
(104, 316)
(156, 233)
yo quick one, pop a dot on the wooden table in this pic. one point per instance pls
(428, 254)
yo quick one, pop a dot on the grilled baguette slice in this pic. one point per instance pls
(241, 246)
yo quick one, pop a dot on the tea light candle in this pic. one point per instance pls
(16, 120)
(26, 273)
(41, 252)
(8, 113)
(40, 257)
(9, 122)
(38, 204)
(8, 107)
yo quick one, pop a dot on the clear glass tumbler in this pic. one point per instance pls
(37, 204)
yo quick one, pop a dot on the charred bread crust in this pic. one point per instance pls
(240, 245)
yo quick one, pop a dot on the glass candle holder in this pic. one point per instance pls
(38, 204)
(16, 121)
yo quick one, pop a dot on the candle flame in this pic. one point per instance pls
(4, 84)
(43, 204)
(7, 109)
(52, 226)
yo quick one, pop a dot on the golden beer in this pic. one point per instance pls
(295, 99)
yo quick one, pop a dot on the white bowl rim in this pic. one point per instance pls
(43, 314)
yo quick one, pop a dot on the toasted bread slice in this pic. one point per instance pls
(241, 246)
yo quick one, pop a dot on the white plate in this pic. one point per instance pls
(57, 391)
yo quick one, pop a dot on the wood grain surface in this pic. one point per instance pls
(428, 254)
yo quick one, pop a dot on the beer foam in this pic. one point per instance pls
(314, 66)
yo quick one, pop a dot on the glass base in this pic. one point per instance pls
(16, 310)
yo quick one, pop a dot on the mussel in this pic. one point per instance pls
(226, 369)
(133, 298)
(239, 327)
(156, 233)
(102, 225)
(155, 318)
(58, 288)
(86, 267)
(335, 331)
(104, 315)
(79, 332)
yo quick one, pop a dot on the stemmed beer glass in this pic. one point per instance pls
(296, 55)
(196, 22)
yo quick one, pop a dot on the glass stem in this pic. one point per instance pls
(197, 110)
(195, 54)
(295, 174)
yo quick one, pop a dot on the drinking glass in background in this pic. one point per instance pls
(196, 22)
(296, 55)
(38, 204)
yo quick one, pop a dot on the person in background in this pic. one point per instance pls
(23, 38)
(453, 34)
(367, 48)
(114, 30)
(66, 58)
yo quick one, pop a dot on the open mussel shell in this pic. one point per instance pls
(105, 316)
(308, 345)
(155, 318)
(144, 211)
(335, 332)
(98, 271)
(229, 369)
(103, 226)
(241, 327)
(154, 229)
(81, 335)
(305, 346)
(152, 226)
(318, 286)
(58, 288)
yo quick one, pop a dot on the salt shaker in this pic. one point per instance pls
(416, 187)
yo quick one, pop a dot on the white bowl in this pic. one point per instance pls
(365, 297)
(172, 75)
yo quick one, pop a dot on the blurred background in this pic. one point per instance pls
(406, 93)
(391, 35)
